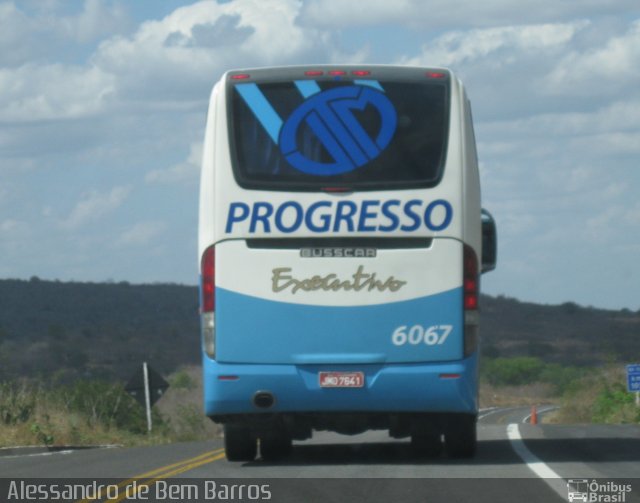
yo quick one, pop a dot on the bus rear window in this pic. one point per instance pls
(311, 135)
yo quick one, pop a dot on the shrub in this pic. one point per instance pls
(105, 403)
(512, 371)
(17, 403)
(182, 380)
(614, 404)
(562, 378)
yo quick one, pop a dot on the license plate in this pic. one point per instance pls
(341, 379)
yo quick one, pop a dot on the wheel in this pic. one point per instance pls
(426, 443)
(239, 443)
(275, 445)
(460, 438)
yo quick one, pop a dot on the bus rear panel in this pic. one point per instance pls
(340, 248)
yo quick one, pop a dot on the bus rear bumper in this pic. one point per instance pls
(232, 389)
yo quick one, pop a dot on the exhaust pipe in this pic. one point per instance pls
(263, 400)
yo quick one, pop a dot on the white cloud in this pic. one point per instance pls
(187, 171)
(141, 234)
(9, 225)
(94, 205)
(504, 67)
(168, 64)
(604, 222)
(171, 63)
(609, 144)
(457, 47)
(96, 20)
(179, 57)
(448, 14)
(615, 124)
(15, 25)
(16, 240)
(35, 92)
(84, 98)
(600, 70)
(340, 13)
(45, 31)
(632, 216)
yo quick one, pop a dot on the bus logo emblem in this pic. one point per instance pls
(330, 116)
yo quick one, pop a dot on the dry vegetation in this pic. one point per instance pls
(600, 396)
(64, 347)
(511, 396)
(181, 407)
(99, 413)
(593, 395)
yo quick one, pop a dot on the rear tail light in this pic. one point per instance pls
(208, 280)
(470, 278)
(471, 292)
(208, 301)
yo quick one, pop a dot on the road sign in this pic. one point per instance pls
(633, 377)
(147, 387)
(157, 386)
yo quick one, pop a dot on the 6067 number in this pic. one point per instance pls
(434, 335)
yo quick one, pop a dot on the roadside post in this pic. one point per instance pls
(146, 386)
(633, 380)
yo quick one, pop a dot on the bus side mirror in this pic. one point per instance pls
(489, 242)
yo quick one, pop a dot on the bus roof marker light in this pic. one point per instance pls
(436, 75)
(336, 189)
(337, 73)
(314, 73)
(360, 73)
(240, 76)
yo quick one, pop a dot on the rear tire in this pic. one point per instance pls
(239, 443)
(275, 446)
(461, 437)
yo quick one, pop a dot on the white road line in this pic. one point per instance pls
(492, 410)
(36, 454)
(485, 412)
(23, 451)
(541, 411)
(535, 464)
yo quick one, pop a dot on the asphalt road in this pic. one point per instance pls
(515, 461)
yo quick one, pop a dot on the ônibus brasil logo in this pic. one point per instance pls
(330, 116)
(594, 491)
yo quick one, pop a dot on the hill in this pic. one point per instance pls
(69, 330)
(565, 333)
(61, 331)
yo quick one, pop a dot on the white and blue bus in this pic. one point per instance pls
(341, 241)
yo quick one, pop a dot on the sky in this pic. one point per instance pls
(103, 107)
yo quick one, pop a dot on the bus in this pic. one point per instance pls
(341, 242)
